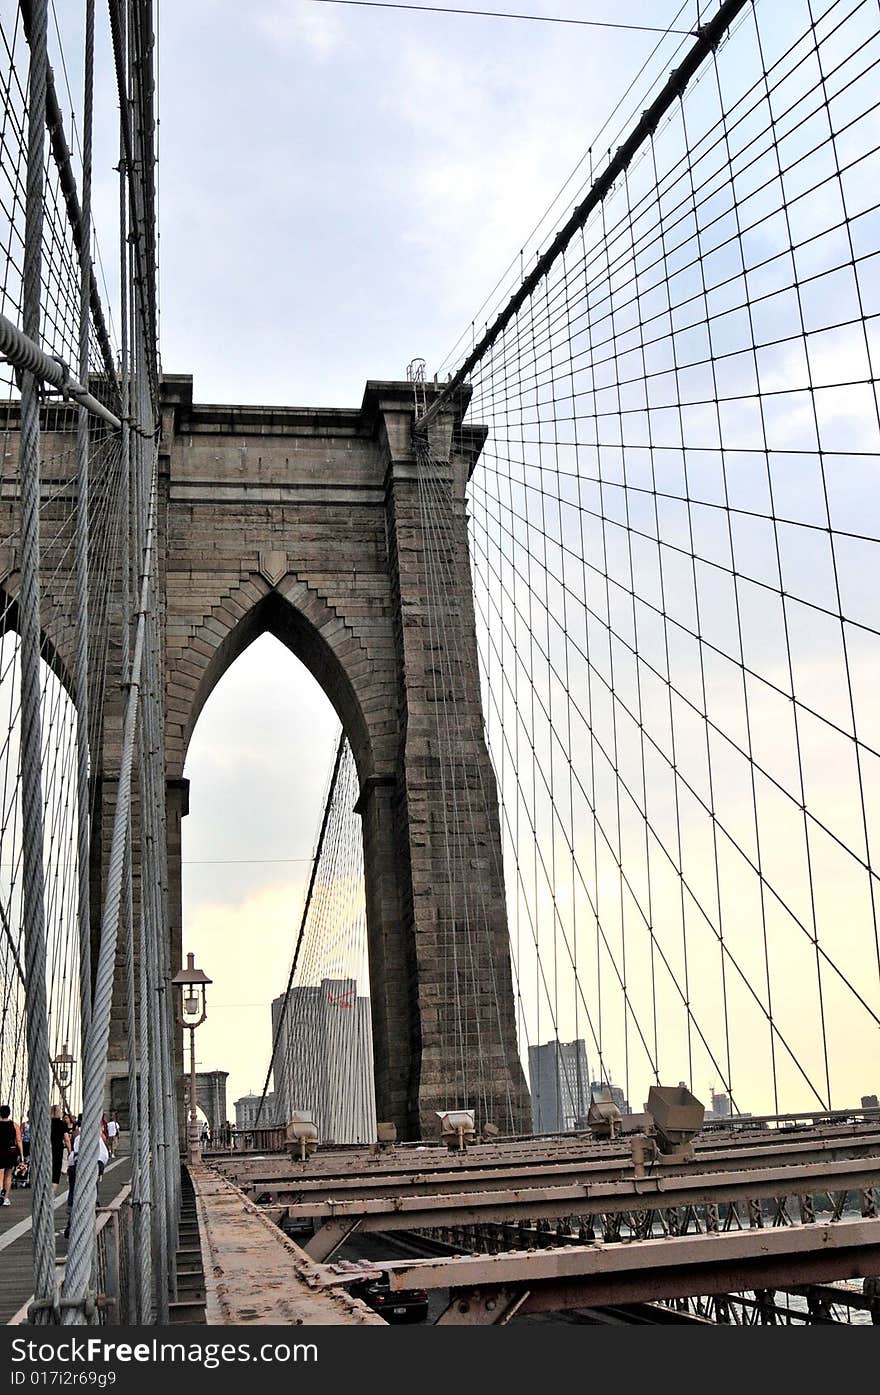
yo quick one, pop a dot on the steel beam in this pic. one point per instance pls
(483, 1308)
(797, 1168)
(684, 1266)
(328, 1238)
(256, 1274)
(851, 1248)
(425, 1211)
(364, 1173)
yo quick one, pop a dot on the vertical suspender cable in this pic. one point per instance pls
(82, 544)
(302, 925)
(144, 1215)
(82, 1225)
(151, 932)
(140, 1280)
(33, 907)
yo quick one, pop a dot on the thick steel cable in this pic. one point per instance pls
(139, 1307)
(144, 1222)
(151, 932)
(23, 352)
(157, 1032)
(82, 1231)
(128, 77)
(159, 883)
(139, 1047)
(83, 543)
(31, 780)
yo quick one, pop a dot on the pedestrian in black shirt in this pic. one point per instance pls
(10, 1151)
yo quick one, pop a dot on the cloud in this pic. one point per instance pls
(296, 24)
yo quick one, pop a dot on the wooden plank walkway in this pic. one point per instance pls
(16, 1235)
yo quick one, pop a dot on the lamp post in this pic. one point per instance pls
(192, 982)
(62, 1066)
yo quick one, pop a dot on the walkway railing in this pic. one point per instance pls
(116, 1301)
(268, 1140)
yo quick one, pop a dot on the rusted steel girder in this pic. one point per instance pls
(448, 1176)
(351, 1167)
(683, 1266)
(424, 1211)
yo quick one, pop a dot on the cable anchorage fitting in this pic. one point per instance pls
(44, 1305)
(88, 1305)
(64, 385)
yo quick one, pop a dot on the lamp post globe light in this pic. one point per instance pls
(192, 983)
(62, 1065)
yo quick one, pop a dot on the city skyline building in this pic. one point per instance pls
(248, 1106)
(324, 1060)
(558, 1083)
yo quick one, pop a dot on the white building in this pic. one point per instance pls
(324, 1061)
(247, 1108)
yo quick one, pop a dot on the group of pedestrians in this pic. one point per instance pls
(64, 1140)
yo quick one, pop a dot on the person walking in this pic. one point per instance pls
(25, 1138)
(112, 1134)
(59, 1139)
(103, 1159)
(10, 1151)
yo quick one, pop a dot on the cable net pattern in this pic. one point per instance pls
(674, 529)
(322, 1053)
(59, 336)
(81, 762)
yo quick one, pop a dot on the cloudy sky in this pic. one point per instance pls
(340, 190)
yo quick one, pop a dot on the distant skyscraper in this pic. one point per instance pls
(324, 1062)
(558, 1080)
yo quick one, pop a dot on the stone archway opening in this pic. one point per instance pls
(257, 770)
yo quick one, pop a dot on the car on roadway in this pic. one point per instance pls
(409, 1305)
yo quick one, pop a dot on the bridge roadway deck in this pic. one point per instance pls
(454, 1173)
(474, 1207)
(353, 1168)
(254, 1274)
(345, 1190)
(16, 1247)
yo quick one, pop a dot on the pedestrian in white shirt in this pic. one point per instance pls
(103, 1159)
(112, 1134)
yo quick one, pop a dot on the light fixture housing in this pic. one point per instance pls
(192, 982)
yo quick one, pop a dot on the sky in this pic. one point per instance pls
(341, 188)
(340, 191)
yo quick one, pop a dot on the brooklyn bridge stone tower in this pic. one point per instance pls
(307, 524)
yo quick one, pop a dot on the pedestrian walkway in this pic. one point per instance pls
(16, 1236)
